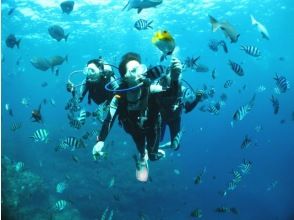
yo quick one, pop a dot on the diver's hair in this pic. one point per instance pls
(95, 61)
(125, 59)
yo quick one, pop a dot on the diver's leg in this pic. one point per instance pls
(153, 138)
(175, 132)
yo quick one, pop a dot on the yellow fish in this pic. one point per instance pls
(164, 42)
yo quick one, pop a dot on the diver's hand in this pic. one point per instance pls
(175, 69)
(69, 87)
(199, 94)
(97, 149)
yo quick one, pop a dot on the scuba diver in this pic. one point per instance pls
(132, 105)
(173, 101)
(98, 74)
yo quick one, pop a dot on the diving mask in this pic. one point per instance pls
(135, 70)
(92, 72)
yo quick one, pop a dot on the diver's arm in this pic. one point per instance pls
(175, 70)
(190, 105)
(84, 90)
(108, 121)
(107, 124)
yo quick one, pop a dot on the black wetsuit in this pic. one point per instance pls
(96, 91)
(170, 104)
(143, 125)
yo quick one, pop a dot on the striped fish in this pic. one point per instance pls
(246, 142)
(232, 186)
(245, 167)
(156, 72)
(100, 113)
(251, 50)
(60, 205)
(15, 126)
(214, 109)
(82, 116)
(282, 83)
(40, 135)
(72, 105)
(60, 187)
(236, 68)
(75, 123)
(142, 24)
(241, 112)
(276, 104)
(237, 176)
(73, 142)
(228, 84)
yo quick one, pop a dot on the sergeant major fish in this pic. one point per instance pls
(15, 126)
(73, 142)
(164, 42)
(156, 72)
(282, 84)
(226, 27)
(260, 27)
(141, 4)
(40, 135)
(236, 68)
(60, 205)
(142, 24)
(242, 111)
(251, 50)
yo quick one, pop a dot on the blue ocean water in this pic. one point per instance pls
(101, 28)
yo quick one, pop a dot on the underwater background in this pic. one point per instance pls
(210, 146)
